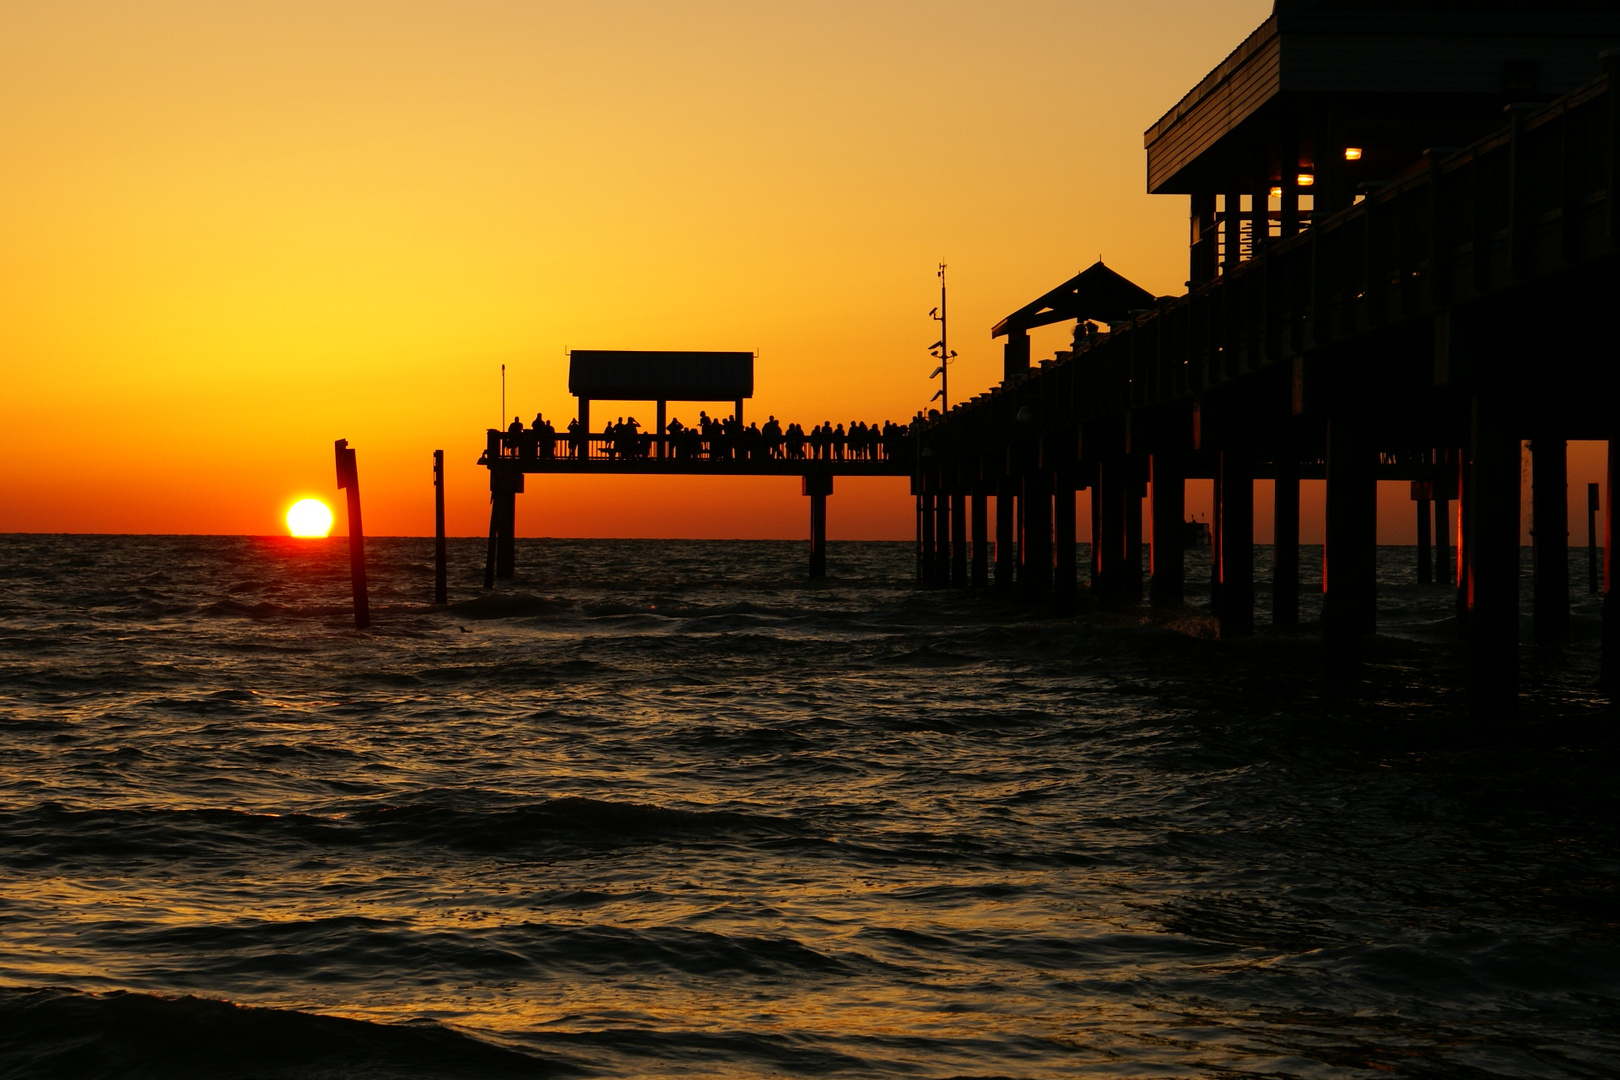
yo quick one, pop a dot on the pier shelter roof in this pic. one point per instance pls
(643, 375)
(1095, 293)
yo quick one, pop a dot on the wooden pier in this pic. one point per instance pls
(1404, 261)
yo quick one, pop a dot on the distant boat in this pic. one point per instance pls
(1194, 534)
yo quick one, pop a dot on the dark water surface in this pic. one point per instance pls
(665, 809)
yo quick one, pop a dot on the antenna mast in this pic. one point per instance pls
(941, 349)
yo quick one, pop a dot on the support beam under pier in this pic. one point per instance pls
(1006, 516)
(981, 540)
(818, 487)
(1285, 543)
(959, 535)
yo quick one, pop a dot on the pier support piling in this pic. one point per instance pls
(1285, 543)
(1035, 548)
(348, 478)
(1131, 558)
(818, 487)
(1236, 610)
(1005, 517)
(942, 538)
(1445, 474)
(1108, 510)
(1549, 537)
(1611, 598)
(1493, 555)
(928, 521)
(1350, 556)
(959, 535)
(506, 550)
(1425, 553)
(981, 539)
(440, 565)
(1168, 580)
(1065, 584)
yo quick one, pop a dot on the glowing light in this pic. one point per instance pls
(1276, 193)
(1306, 179)
(309, 517)
(1352, 153)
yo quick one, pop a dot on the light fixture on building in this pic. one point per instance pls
(1306, 179)
(1276, 193)
(1352, 153)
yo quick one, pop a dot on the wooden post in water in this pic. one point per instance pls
(981, 539)
(1167, 584)
(1591, 539)
(1285, 541)
(1465, 545)
(818, 486)
(348, 478)
(1549, 539)
(1236, 568)
(942, 538)
(440, 587)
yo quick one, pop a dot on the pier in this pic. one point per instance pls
(1404, 261)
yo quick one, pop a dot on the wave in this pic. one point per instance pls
(51, 833)
(53, 1032)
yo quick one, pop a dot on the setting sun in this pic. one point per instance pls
(309, 517)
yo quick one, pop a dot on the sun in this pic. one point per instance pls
(309, 517)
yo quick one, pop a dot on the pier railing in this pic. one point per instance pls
(532, 451)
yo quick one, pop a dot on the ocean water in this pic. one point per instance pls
(668, 809)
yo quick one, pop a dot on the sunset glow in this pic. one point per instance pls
(309, 518)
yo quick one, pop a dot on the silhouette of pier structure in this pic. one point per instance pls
(725, 448)
(1404, 260)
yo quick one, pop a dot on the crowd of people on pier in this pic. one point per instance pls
(713, 439)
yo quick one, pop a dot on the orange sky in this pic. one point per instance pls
(230, 233)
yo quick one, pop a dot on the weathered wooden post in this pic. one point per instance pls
(1549, 540)
(1591, 539)
(981, 538)
(1493, 542)
(942, 538)
(1465, 551)
(1285, 539)
(818, 486)
(1167, 583)
(1236, 568)
(348, 478)
(440, 587)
